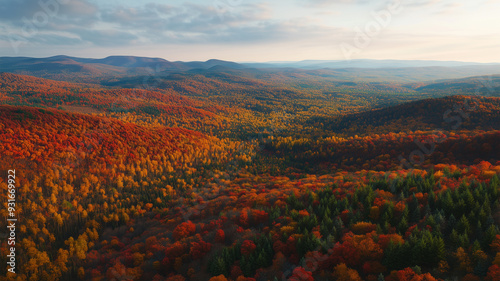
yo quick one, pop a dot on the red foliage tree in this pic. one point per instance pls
(495, 245)
(384, 239)
(199, 249)
(236, 272)
(300, 274)
(220, 236)
(183, 230)
(408, 274)
(247, 247)
(243, 218)
(373, 267)
(259, 216)
(493, 273)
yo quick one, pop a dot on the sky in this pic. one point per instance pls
(253, 30)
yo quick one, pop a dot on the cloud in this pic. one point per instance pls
(187, 18)
(106, 37)
(49, 38)
(237, 26)
(187, 23)
(326, 3)
(199, 24)
(437, 6)
(76, 11)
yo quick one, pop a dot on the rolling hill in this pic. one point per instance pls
(447, 113)
(86, 69)
(95, 70)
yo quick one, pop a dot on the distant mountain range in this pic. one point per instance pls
(365, 63)
(108, 66)
(86, 69)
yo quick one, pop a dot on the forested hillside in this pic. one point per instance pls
(244, 175)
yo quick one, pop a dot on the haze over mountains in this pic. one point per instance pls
(365, 63)
(62, 67)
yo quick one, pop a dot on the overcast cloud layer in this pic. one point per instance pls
(247, 30)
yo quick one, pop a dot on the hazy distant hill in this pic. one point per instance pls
(483, 85)
(86, 69)
(365, 63)
(95, 70)
(429, 74)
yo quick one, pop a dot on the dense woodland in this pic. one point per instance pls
(215, 176)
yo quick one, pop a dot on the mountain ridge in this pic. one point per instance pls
(92, 70)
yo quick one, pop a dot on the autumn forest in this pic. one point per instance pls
(224, 173)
